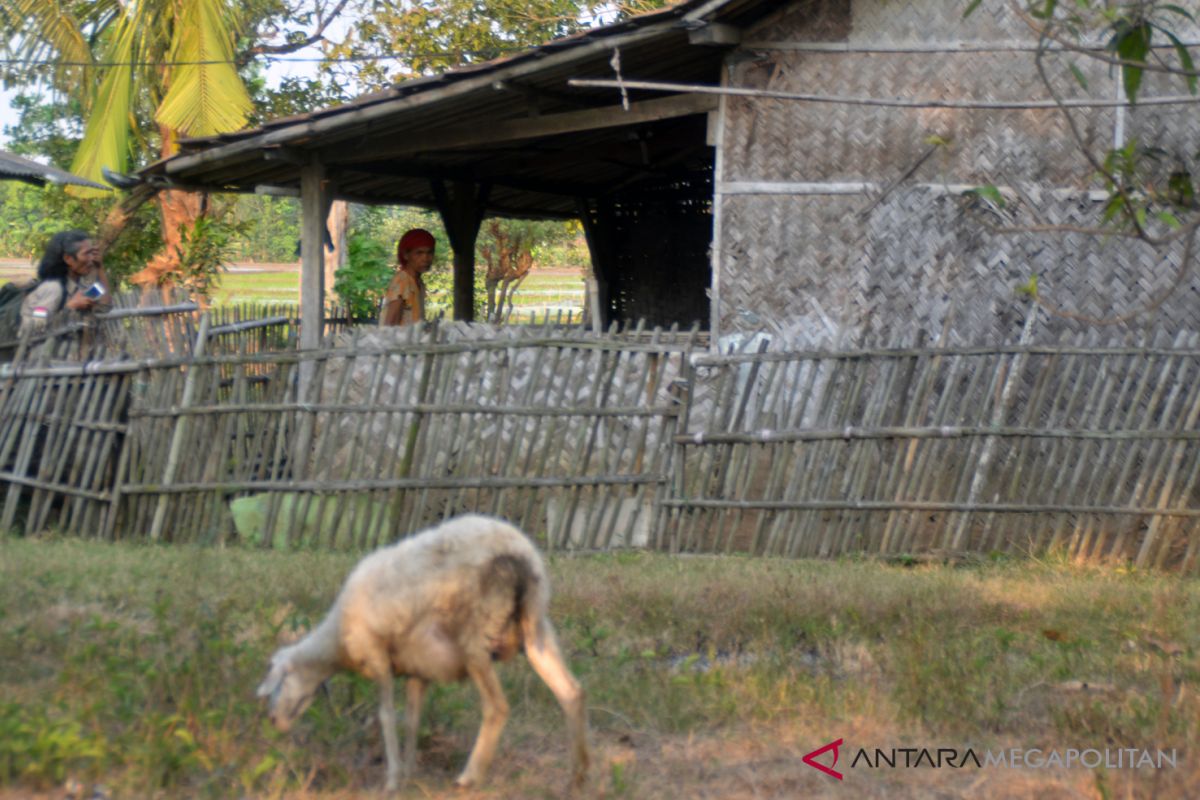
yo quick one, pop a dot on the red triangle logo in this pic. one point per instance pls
(811, 759)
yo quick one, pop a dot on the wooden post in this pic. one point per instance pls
(314, 208)
(594, 234)
(462, 208)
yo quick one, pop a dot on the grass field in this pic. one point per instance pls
(541, 289)
(135, 667)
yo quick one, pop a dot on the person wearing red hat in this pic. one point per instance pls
(404, 300)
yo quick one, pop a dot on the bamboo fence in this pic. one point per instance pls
(636, 438)
(1088, 450)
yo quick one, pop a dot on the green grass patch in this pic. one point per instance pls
(232, 288)
(256, 287)
(136, 666)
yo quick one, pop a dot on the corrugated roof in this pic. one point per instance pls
(14, 167)
(514, 123)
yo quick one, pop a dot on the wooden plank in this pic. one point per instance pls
(517, 130)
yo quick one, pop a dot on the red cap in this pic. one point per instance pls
(417, 237)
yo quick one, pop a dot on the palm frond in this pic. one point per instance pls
(206, 95)
(106, 137)
(48, 28)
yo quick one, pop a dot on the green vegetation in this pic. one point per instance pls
(541, 288)
(135, 666)
(256, 287)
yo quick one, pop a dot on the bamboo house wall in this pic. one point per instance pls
(846, 225)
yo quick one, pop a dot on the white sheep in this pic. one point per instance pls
(440, 606)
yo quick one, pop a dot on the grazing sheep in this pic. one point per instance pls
(439, 606)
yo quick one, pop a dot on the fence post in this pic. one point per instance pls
(667, 517)
(180, 432)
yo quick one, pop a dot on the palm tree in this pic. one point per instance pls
(130, 60)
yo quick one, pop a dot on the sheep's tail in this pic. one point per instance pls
(542, 650)
(533, 601)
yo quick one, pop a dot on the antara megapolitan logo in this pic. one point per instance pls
(969, 757)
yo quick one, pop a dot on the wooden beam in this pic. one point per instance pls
(536, 93)
(432, 172)
(288, 155)
(715, 34)
(462, 207)
(475, 134)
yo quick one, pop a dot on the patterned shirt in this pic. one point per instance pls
(404, 300)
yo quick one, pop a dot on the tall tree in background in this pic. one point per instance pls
(169, 60)
(400, 39)
(147, 72)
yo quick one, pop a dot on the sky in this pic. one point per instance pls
(276, 72)
(7, 117)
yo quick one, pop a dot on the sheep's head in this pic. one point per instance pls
(289, 691)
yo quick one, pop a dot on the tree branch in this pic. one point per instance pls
(291, 47)
(1098, 54)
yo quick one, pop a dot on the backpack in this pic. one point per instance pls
(12, 294)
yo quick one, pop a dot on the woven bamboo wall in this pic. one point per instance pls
(843, 224)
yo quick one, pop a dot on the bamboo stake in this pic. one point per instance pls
(323, 457)
(54, 450)
(922, 476)
(1067, 485)
(1168, 367)
(1101, 482)
(606, 508)
(435, 381)
(180, 433)
(984, 462)
(1060, 451)
(1146, 553)
(96, 450)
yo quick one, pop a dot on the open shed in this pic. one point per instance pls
(512, 137)
(797, 169)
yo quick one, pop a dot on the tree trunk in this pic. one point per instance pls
(339, 219)
(179, 211)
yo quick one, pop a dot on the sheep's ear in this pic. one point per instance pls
(273, 681)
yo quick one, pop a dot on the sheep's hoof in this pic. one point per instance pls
(465, 781)
(575, 786)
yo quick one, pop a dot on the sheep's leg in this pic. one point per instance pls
(541, 648)
(412, 723)
(387, 721)
(495, 714)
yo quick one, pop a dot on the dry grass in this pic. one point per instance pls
(707, 677)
